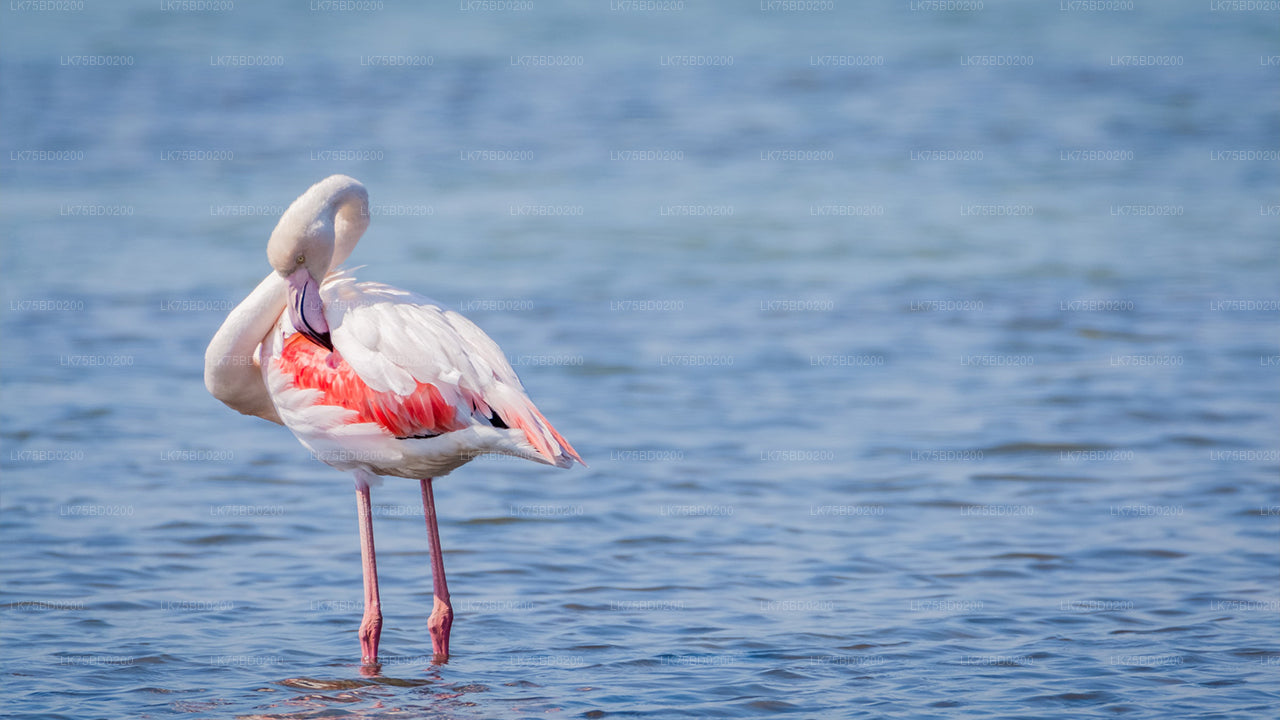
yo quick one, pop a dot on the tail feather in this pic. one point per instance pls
(564, 444)
(518, 412)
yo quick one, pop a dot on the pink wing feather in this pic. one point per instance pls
(415, 369)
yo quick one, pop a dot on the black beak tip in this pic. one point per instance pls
(321, 339)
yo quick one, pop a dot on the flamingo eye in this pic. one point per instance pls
(301, 259)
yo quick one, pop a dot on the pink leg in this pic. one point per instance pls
(441, 612)
(371, 626)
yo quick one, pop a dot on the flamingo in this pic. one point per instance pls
(374, 380)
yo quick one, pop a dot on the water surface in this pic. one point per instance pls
(910, 387)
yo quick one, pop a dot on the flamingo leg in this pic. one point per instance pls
(441, 619)
(371, 626)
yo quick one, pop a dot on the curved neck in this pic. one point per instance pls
(330, 215)
(351, 220)
(231, 371)
(334, 210)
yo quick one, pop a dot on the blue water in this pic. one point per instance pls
(930, 381)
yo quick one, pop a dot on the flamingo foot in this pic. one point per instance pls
(370, 633)
(439, 624)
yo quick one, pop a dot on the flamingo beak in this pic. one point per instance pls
(305, 309)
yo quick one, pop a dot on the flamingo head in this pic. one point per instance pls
(318, 231)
